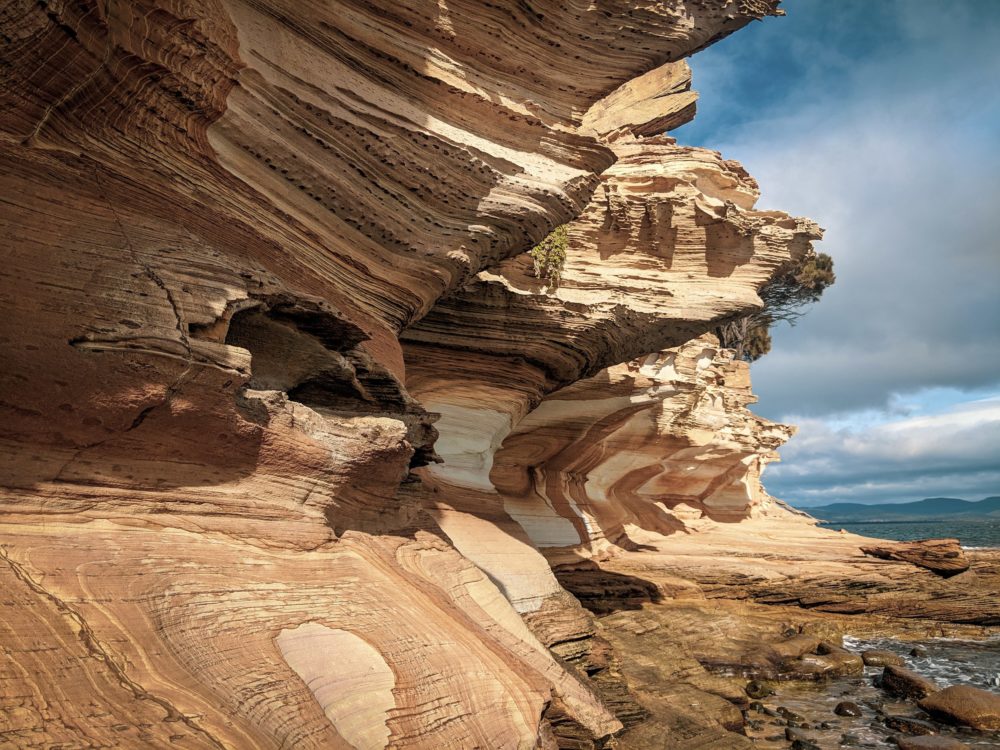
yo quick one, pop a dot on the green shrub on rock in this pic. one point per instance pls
(549, 255)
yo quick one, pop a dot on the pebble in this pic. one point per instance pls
(847, 708)
(794, 734)
(790, 715)
(755, 689)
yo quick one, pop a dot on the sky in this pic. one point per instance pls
(881, 121)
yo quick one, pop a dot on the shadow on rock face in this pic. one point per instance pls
(602, 591)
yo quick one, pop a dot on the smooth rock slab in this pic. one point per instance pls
(828, 665)
(942, 556)
(964, 705)
(881, 659)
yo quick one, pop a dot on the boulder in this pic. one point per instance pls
(942, 556)
(964, 705)
(876, 658)
(906, 683)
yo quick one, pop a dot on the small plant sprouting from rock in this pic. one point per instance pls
(549, 255)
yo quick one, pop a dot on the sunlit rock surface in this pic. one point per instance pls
(654, 445)
(274, 356)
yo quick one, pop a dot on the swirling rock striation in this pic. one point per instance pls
(291, 433)
(651, 446)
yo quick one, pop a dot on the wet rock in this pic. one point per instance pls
(840, 664)
(918, 651)
(849, 740)
(800, 741)
(928, 742)
(758, 690)
(964, 705)
(790, 715)
(909, 725)
(875, 658)
(906, 683)
(847, 708)
(874, 704)
(756, 706)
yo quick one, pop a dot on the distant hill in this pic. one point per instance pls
(931, 509)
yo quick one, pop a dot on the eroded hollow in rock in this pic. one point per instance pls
(285, 358)
(317, 363)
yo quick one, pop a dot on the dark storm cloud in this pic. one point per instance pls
(882, 122)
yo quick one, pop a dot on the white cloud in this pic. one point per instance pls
(949, 453)
(880, 121)
(882, 124)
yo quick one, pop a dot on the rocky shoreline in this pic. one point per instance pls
(720, 670)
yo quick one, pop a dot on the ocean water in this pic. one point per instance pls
(978, 533)
(948, 662)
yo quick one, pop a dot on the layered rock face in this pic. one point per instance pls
(269, 320)
(652, 446)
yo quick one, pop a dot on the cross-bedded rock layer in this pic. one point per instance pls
(654, 445)
(283, 433)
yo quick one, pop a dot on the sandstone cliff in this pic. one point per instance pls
(292, 436)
